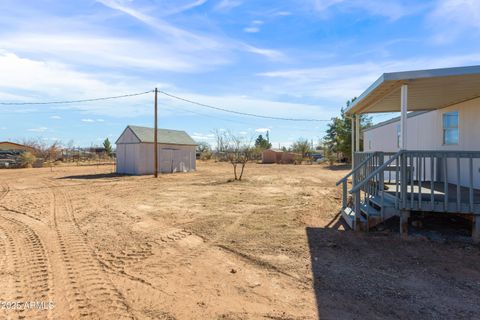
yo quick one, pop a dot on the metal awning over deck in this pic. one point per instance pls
(427, 90)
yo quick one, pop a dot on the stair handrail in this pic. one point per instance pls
(356, 168)
(360, 184)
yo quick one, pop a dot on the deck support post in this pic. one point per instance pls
(403, 116)
(476, 229)
(353, 141)
(357, 133)
(404, 216)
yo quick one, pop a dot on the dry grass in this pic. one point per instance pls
(195, 246)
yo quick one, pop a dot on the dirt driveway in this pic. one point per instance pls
(80, 242)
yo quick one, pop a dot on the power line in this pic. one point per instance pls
(75, 101)
(171, 96)
(237, 112)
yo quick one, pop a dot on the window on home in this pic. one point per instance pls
(450, 128)
(398, 136)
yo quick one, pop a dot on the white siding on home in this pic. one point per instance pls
(425, 132)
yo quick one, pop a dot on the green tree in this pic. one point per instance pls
(108, 147)
(301, 146)
(262, 143)
(338, 136)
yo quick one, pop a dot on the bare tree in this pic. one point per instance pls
(222, 141)
(43, 150)
(239, 152)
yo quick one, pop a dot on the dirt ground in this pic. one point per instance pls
(196, 246)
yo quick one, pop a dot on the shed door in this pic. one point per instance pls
(166, 160)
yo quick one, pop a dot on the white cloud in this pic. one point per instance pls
(226, 5)
(392, 9)
(178, 8)
(254, 26)
(56, 117)
(99, 120)
(250, 105)
(251, 29)
(112, 52)
(269, 53)
(43, 81)
(282, 13)
(342, 82)
(203, 137)
(262, 130)
(451, 18)
(3, 128)
(88, 120)
(205, 48)
(39, 129)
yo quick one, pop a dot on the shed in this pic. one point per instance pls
(135, 151)
(278, 156)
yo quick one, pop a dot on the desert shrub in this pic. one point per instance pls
(330, 156)
(206, 155)
(298, 159)
(27, 159)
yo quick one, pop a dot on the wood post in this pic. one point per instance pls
(403, 116)
(357, 133)
(356, 201)
(404, 216)
(353, 142)
(476, 229)
(155, 138)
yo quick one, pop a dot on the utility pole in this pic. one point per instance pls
(155, 138)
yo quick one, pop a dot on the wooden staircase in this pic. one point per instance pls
(370, 204)
(372, 212)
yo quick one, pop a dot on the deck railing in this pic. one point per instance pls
(448, 177)
(437, 181)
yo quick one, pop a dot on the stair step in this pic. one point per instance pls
(369, 210)
(377, 200)
(349, 216)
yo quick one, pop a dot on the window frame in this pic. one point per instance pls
(444, 129)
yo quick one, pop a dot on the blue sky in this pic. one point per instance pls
(297, 58)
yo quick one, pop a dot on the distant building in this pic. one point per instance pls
(6, 145)
(278, 156)
(135, 151)
(10, 154)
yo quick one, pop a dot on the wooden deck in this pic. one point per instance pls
(372, 186)
(438, 192)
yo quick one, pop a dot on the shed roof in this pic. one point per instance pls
(427, 90)
(166, 136)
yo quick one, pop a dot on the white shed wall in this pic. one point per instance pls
(137, 158)
(425, 132)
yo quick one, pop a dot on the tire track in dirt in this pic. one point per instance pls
(24, 268)
(88, 289)
(5, 190)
